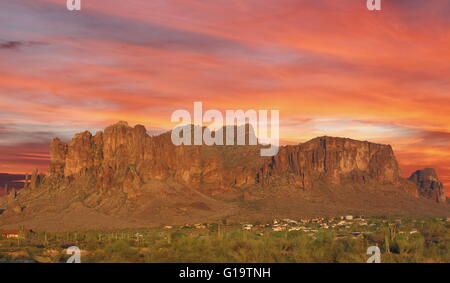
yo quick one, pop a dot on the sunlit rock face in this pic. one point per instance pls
(428, 184)
(124, 156)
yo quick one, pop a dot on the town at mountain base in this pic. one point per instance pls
(124, 178)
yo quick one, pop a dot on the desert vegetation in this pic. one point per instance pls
(312, 240)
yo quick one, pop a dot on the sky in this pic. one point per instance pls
(330, 67)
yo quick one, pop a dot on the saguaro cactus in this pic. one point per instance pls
(390, 236)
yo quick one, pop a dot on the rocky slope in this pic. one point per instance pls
(124, 157)
(128, 178)
(428, 184)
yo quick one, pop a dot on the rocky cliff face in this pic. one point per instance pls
(124, 157)
(123, 178)
(335, 161)
(428, 184)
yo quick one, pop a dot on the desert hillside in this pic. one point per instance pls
(124, 178)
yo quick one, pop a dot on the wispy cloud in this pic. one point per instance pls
(16, 45)
(330, 67)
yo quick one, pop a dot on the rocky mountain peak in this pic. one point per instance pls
(124, 173)
(428, 184)
(324, 159)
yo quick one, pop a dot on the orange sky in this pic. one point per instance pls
(331, 67)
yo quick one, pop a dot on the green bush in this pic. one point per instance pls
(121, 250)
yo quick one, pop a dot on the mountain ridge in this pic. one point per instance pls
(122, 174)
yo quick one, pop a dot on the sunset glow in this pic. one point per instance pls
(331, 67)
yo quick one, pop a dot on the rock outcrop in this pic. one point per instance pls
(428, 184)
(335, 161)
(122, 177)
(124, 156)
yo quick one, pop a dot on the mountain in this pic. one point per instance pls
(123, 156)
(428, 184)
(122, 178)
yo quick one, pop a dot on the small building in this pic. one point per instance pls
(278, 228)
(200, 226)
(298, 228)
(290, 221)
(10, 234)
(247, 227)
(349, 217)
